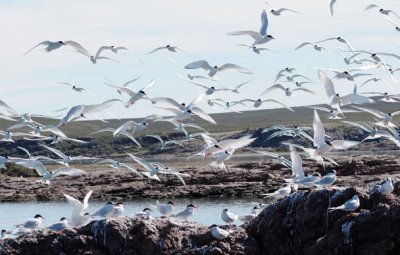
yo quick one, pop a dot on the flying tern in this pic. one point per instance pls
(259, 37)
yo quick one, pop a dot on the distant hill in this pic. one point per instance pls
(227, 122)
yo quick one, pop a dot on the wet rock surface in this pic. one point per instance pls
(298, 224)
(247, 178)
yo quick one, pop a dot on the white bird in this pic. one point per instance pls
(291, 78)
(212, 145)
(165, 209)
(339, 39)
(278, 12)
(315, 46)
(4, 234)
(331, 5)
(59, 226)
(323, 146)
(228, 217)
(236, 89)
(281, 159)
(349, 206)
(280, 193)
(249, 217)
(326, 180)
(8, 136)
(118, 165)
(256, 49)
(103, 48)
(288, 91)
(156, 168)
(167, 47)
(218, 233)
(119, 133)
(335, 100)
(288, 131)
(186, 214)
(259, 37)
(378, 57)
(285, 70)
(386, 118)
(165, 143)
(212, 70)
(109, 82)
(182, 126)
(46, 175)
(33, 223)
(118, 209)
(184, 111)
(334, 113)
(56, 139)
(50, 46)
(78, 89)
(370, 80)
(297, 162)
(209, 90)
(144, 214)
(397, 27)
(373, 132)
(65, 160)
(105, 211)
(134, 126)
(220, 157)
(258, 102)
(134, 96)
(386, 97)
(78, 217)
(80, 111)
(387, 187)
(381, 10)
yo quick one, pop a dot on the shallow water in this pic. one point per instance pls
(209, 211)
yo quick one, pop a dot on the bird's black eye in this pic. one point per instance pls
(168, 46)
(212, 87)
(215, 66)
(142, 92)
(60, 42)
(189, 111)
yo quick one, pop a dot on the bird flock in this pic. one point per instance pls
(358, 65)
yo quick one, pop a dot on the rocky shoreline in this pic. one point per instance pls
(243, 179)
(298, 224)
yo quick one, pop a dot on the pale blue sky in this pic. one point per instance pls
(29, 83)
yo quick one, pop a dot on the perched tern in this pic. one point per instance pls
(349, 206)
(228, 217)
(218, 233)
(59, 226)
(105, 211)
(186, 214)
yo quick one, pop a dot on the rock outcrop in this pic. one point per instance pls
(301, 224)
(298, 224)
(127, 235)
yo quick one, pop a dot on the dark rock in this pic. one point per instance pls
(132, 236)
(301, 224)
